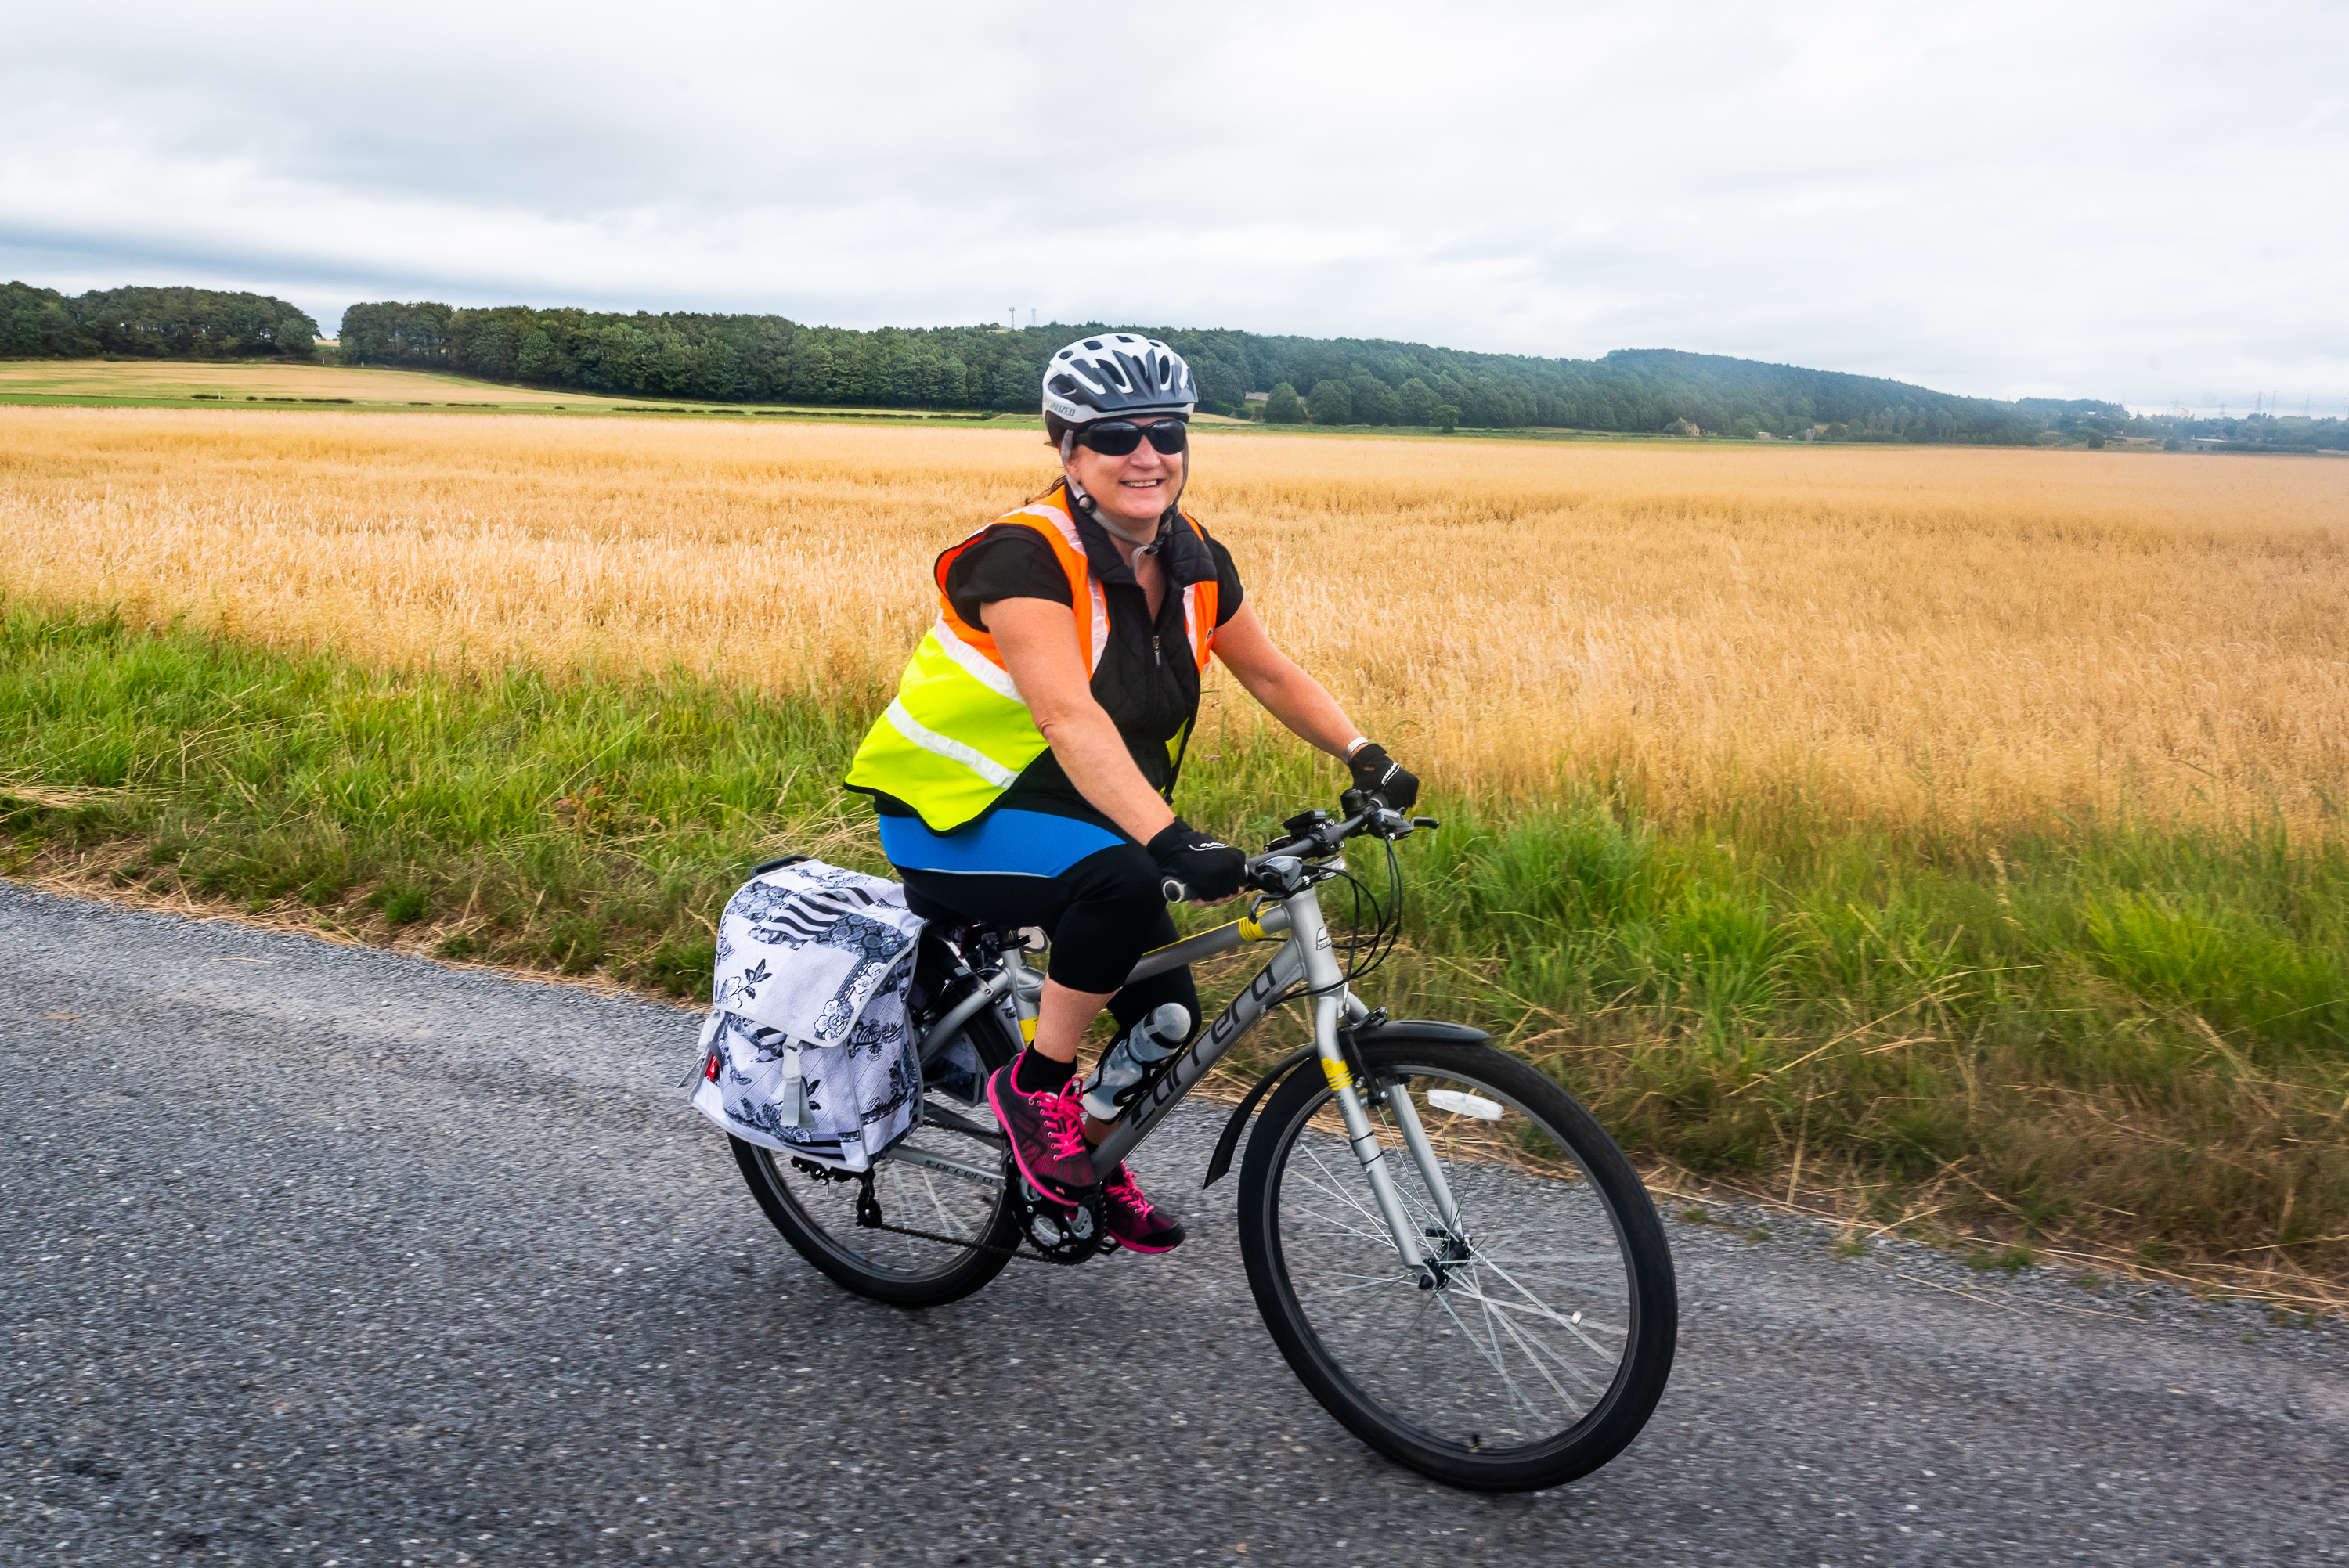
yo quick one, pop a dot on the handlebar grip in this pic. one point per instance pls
(1173, 891)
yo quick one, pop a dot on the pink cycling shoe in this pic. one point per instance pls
(1047, 1131)
(1138, 1224)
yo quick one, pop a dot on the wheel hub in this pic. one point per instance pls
(1436, 1266)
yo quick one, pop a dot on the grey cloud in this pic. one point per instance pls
(1991, 199)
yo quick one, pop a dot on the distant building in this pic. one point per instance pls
(1255, 397)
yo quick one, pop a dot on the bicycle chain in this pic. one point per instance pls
(973, 1246)
(869, 1217)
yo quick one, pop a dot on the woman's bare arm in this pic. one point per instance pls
(1038, 640)
(1278, 682)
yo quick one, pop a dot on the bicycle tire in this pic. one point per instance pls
(1541, 1167)
(816, 1215)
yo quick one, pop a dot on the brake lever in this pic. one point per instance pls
(1285, 873)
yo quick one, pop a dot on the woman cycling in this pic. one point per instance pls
(1023, 774)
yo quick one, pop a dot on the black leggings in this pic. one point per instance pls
(1103, 914)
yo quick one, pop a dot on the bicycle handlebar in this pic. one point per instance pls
(1316, 841)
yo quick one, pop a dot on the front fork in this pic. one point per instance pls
(1334, 1007)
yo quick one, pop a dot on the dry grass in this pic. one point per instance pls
(260, 378)
(1954, 638)
(105, 382)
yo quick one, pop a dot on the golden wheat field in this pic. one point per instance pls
(1967, 637)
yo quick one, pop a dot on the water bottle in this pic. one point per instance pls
(1134, 1058)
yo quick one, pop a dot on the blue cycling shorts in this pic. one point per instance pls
(1001, 843)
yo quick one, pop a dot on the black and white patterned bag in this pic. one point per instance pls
(808, 1048)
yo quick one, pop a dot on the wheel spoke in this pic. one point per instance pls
(951, 1223)
(1331, 1186)
(1491, 1305)
(1532, 1303)
(1531, 1347)
(1369, 1281)
(1492, 1355)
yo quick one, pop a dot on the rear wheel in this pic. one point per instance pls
(944, 1180)
(1537, 1342)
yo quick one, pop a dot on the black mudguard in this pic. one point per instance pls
(1430, 1030)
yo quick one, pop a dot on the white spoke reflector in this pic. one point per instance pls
(1459, 1104)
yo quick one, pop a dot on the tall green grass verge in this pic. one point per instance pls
(571, 824)
(2123, 1032)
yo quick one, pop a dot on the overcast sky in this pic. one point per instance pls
(2143, 201)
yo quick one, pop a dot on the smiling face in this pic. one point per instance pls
(1129, 492)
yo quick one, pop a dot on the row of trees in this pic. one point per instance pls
(1361, 400)
(1354, 381)
(151, 324)
(769, 358)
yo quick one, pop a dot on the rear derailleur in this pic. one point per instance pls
(868, 1207)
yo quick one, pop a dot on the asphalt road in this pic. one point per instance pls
(314, 1255)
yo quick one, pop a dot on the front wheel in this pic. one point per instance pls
(1536, 1341)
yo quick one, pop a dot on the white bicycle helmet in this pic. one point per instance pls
(1114, 375)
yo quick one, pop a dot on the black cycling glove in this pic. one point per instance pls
(1375, 770)
(1208, 870)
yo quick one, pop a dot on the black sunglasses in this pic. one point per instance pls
(1116, 438)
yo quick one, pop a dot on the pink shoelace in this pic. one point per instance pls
(1064, 1121)
(1126, 1191)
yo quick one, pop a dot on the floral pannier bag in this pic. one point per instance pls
(808, 1048)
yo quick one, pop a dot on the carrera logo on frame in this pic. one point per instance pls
(1177, 1079)
(1229, 1022)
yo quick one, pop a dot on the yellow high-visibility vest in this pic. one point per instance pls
(959, 734)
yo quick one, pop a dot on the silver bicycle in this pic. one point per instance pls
(1451, 1253)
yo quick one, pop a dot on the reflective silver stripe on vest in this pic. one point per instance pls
(976, 665)
(945, 746)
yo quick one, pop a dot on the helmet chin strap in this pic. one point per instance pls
(1091, 508)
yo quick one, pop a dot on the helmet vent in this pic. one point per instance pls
(1115, 375)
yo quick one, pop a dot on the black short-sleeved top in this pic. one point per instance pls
(1147, 681)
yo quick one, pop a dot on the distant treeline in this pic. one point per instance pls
(2266, 432)
(151, 324)
(1342, 381)
(2095, 423)
(1330, 381)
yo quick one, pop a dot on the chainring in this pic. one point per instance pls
(1060, 1233)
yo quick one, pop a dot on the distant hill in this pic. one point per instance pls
(1352, 381)
(149, 323)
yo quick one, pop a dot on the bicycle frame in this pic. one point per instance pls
(1304, 955)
